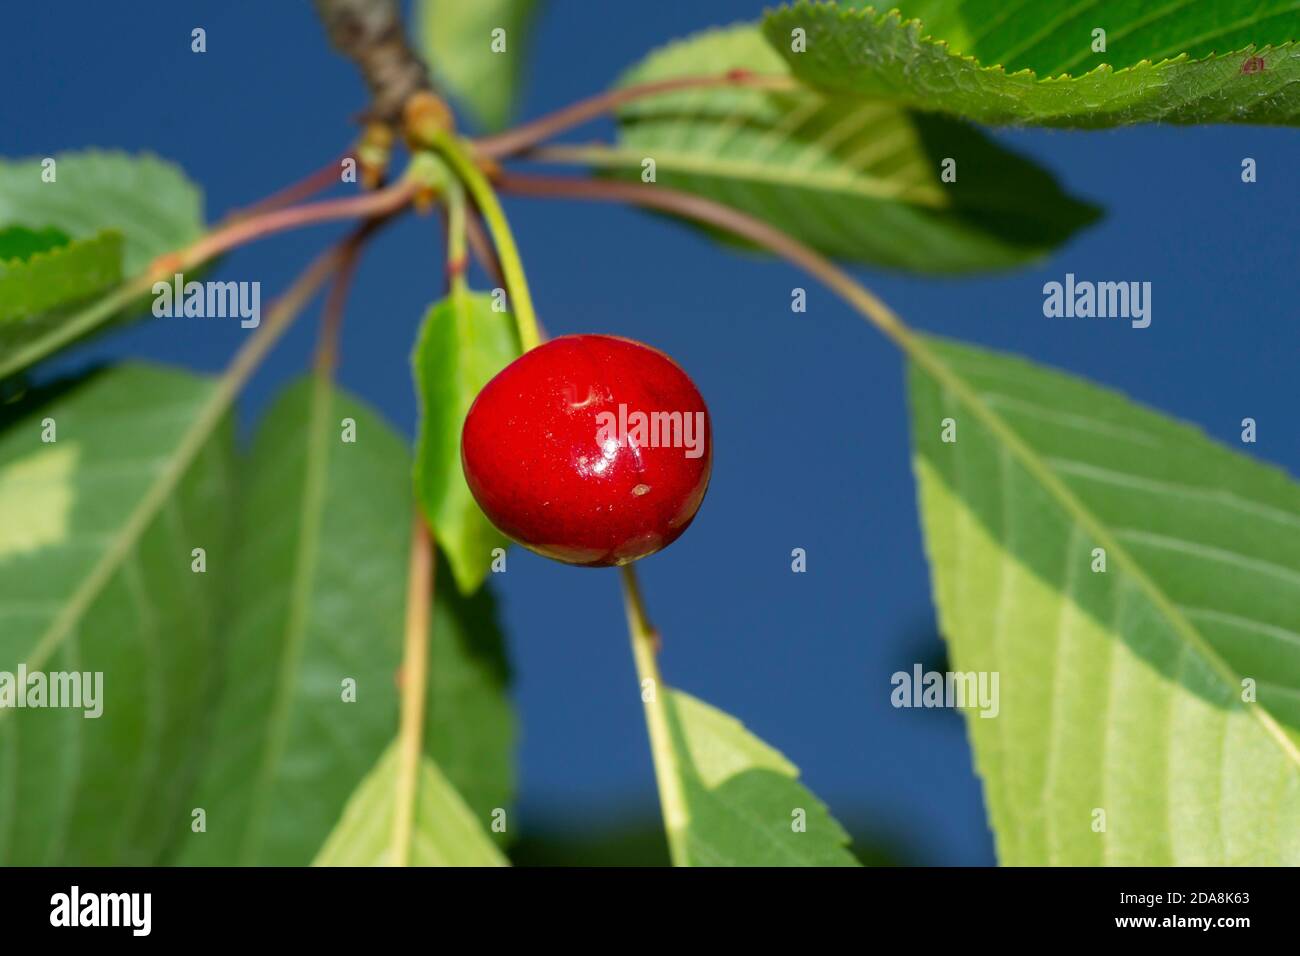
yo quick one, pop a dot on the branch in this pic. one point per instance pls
(527, 135)
(371, 34)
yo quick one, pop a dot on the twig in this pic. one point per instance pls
(371, 34)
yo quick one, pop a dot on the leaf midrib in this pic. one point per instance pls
(946, 376)
(869, 187)
(311, 517)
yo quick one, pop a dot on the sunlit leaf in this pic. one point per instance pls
(444, 831)
(744, 805)
(1136, 588)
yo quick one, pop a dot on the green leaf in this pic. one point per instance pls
(1121, 690)
(463, 343)
(855, 180)
(457, 40)
(445, 832)
(310, 700)
(150, 202)
(55, 275)
(1231, 61)
(744, 804)
(19, 242)
(97, 530)
(469, 727)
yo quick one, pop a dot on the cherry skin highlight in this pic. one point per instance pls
(589, 449)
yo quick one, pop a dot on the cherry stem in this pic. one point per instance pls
(521, 302)
(644, 639)
(645, 647)
(457, 259)
(414, 685)
(527, 135)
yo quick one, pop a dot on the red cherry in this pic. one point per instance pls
(589, 449)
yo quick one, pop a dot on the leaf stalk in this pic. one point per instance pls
(414, 686)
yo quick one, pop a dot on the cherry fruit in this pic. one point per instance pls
(590, 449)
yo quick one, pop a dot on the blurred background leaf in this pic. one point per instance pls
(149, 201)
(96, 533)
(456, 39)
(320, 600)
(39, 276)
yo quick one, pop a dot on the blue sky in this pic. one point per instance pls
(808, 409)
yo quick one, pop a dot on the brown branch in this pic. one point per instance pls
(371, 34)
(526, 135)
